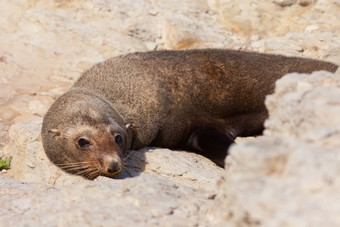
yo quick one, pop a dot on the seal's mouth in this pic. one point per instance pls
(111, 166)
(112, 174)
(93, 169)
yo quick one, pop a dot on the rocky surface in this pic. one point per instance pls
(142, 201)
(289, 177)
(45, 45)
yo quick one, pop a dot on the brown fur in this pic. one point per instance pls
(196, 99)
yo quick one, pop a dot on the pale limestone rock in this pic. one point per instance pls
(143, 201)
(305, 2)
(284, 3)
(184, 168)
(45, 45)
(289, 177)
(30, 162)
(324, 46)
(37, 108)
(151, 45)
(311, 28)
(275, 182)
(306, 107)
(269, 18)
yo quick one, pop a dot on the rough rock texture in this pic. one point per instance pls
(45, 45)
(307, 108)
(130, 202)
(289, 177)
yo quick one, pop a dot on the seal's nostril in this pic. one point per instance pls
(113, 167)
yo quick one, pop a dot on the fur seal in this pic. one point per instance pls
(198, 100)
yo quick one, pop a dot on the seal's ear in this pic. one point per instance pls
(55, 132)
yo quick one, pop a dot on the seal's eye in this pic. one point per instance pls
(118, 139)
(83, 142)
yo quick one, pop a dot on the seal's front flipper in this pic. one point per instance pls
(211, 143)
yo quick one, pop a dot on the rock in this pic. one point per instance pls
(153, 12)
(30, 162)
(151, 45)
(46, 45)
(312, 28)
(143, 201)
(307, 108)
(305, 2)
(288, 177)
(184, 168)
(37, 108)
(284, 3)
(270, 19)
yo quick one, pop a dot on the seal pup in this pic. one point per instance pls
(198, 100)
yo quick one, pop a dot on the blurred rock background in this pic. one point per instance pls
(286, 178)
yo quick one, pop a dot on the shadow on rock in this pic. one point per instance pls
(134, 164)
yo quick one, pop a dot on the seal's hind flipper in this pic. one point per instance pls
(211, 143)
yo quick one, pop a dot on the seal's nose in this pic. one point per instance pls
(113, 167)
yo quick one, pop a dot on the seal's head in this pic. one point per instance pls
(84, 135)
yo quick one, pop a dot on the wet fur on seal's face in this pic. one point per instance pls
(197, 100)
(83, 138)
